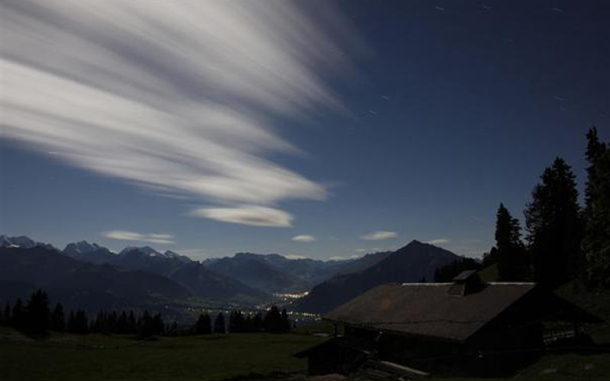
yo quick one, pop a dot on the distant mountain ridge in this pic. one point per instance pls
(22, 241)
(409, 264)
(243, 278)
(275, 273)
(82, 284)
(200, 281)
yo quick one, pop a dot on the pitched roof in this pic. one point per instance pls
(429, 309)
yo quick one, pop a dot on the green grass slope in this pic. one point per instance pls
(96, 357)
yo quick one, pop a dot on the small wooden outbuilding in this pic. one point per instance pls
(461, 327)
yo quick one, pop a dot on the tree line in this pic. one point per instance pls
(272, 321)
(563, 241)
(35, 317)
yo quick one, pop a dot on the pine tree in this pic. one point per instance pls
(236, 322)
(18, 315)
(58, 319)
(510, 251)
(132, 323)
(219, 324)
(448, 272)
(100, 324)
(257, 322)
(7, 314)
(203, 326)
(80, 323)
(158, 326)
(146, 326)
(273, 321)
(71, 323)
(553, 226)
(286, 325)
(596, 241)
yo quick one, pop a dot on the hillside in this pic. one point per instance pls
(199, 280)
(79, 284)
(275, 273)
(259, 273)
(408, 264)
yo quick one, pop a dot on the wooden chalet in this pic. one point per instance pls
(465, 327)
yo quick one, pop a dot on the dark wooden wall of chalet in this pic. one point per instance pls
(333, 359)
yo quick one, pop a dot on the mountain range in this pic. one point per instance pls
(95, 276)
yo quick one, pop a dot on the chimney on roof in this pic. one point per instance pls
(466, 283)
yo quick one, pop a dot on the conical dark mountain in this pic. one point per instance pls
(409, 264)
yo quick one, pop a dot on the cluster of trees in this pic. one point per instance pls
(35, 317)
(563, 240)
(450, 271)
(273, 321)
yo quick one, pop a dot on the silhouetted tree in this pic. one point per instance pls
(219, 324)
(100, 325)
(18, 315)
(111, 321)
(7, 314)
(448, 272)
(158, 326)
(273, 321)
(132, 323)
(146, 326)
(58, 319)
(203, 326)
(71, 322)
(286, 326)
(490, 258)
(257, 322)
(553, 226)
(237, 322)
(596, 241)
(511, 255)
(78, 322)
(122, 325)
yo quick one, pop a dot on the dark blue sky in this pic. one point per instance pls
(453, 107)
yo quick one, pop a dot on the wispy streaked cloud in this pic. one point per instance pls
(438, 241)
(176, 96)
(296, 256)
(379, 235)
(338, 258)
(247, 215)
(304, 238)
(123, 235)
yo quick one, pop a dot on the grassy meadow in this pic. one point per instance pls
(66, 357)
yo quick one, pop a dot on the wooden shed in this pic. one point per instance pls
(461, 327)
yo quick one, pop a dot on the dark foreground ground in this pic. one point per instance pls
(95, 357)
(247, 357)
(237, 357)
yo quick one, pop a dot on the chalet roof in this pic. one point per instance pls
(430, 309)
